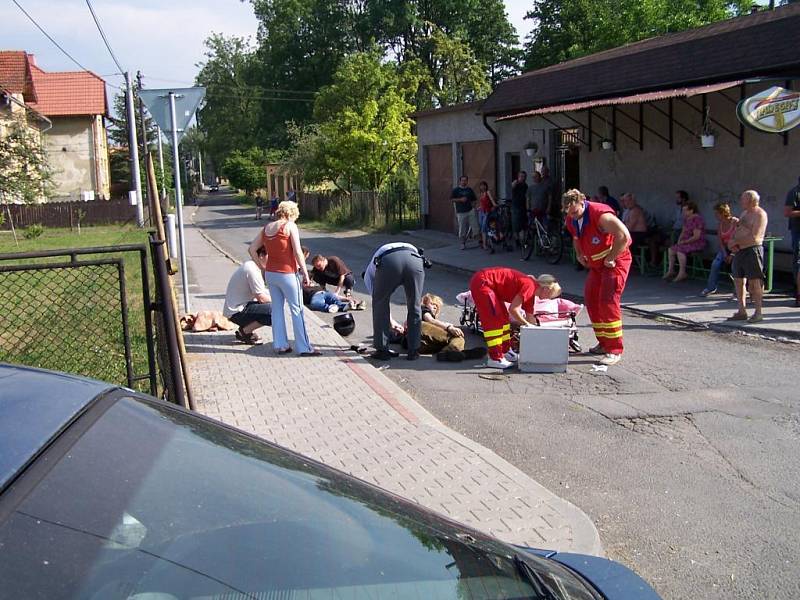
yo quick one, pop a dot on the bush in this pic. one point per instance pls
(33, 231)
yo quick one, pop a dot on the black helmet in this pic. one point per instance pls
(344, 324)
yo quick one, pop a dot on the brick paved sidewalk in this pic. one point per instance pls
(342, 411)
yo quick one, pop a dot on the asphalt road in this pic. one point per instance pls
(685, 455)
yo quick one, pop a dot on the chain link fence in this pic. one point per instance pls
(67, 317)
(91, 311)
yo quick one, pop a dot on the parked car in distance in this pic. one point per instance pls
(214, 188)
(106, 493)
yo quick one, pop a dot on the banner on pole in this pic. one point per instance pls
(186, 102)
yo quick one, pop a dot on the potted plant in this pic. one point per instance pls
(531, 148)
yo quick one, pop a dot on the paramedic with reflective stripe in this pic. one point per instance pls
(491, 289)
(602, 244)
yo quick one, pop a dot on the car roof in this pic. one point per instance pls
(34, 406)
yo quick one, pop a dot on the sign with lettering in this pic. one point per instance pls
(774, 110)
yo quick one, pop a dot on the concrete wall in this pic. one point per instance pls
(453, 127)
(71, 149)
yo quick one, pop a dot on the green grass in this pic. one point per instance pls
(70, 319)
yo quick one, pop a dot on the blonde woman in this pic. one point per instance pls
(281, 238)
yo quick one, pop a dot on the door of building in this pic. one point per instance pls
(477, 163)
(439, 164)
(566, 146)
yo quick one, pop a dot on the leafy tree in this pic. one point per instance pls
(246, 170)
(232, 107)
(364, 133)
(455, 75)
(567, 29)
(25, 173)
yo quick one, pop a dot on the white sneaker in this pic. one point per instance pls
(610, 359)
(333, 308)
(499, 364)
(512, 356)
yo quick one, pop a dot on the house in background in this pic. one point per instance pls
(17, 95)
(76, 104)
(649, 117)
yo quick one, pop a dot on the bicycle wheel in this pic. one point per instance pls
(527, 245)
(554, 247)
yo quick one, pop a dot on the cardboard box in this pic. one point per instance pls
(544, 349)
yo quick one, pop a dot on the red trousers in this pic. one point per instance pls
(603, 295)
(493, 314)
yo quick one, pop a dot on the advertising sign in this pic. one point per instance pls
(774, 110)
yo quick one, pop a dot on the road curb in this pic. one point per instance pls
(584, 535)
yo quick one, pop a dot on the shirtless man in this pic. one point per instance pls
(748, 258)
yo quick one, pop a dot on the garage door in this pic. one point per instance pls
(477, 163)
(440, 186)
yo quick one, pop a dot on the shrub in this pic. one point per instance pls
(33, 231)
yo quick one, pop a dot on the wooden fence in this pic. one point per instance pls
(67, 214)
(393, 208)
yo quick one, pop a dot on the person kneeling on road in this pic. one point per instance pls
(491, 289)
(247, 300)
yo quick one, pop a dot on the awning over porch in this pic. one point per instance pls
(680, 92)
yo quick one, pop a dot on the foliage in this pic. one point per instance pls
(567, 29)
(232, 107)
(33, 231)
(246, 170)
(363, 133)
(455, 75)
(25, 173)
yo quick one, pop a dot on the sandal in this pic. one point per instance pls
(286, 350)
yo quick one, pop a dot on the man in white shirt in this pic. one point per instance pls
(247, 300)
(391, 266)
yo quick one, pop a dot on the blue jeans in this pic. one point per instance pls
(285, 289)
(716, 267)
(323, 299)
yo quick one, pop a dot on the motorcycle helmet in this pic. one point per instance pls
(344, 324)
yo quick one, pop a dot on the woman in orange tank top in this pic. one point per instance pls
(281, 238)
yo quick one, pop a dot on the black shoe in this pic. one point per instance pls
(474, 353)
(383, 354)
(414, 355)
(450, 356)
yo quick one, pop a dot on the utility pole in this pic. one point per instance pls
(200, 167)
(161, 163)
(134, 150)
(176, 165)
(151, 194)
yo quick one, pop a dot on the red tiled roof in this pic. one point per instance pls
(69, 93)
(15, 73)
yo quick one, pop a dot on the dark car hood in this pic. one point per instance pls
(35, 405)
(612, 579)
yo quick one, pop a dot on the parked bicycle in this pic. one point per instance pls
(547, 242)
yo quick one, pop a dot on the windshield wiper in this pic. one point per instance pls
(532, 577)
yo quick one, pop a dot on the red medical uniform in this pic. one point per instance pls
(604, 285)
(491, 289)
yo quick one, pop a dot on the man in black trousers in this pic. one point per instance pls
(393, 265)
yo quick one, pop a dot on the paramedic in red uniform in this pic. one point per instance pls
(491, 289)
(601, 243)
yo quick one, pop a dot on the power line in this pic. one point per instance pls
(48, 36)
(103, 35)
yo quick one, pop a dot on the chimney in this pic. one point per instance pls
(32, 59)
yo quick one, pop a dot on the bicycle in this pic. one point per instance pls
(536, 237)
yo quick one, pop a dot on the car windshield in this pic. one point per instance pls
(151, 502)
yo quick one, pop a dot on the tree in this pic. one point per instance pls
(246, 170)
(567, 29)
(232, 107)
(364, 132)
(455, 75)
(25, 173)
